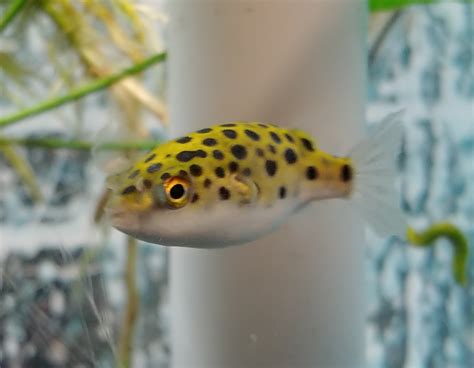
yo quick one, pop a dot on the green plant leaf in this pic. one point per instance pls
(75, 144)
(12, 11)
(79, 92)
(24, 171)
(381, 5)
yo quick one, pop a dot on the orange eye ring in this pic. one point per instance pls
(177, 191)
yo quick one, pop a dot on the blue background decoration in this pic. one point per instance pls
(418, 316)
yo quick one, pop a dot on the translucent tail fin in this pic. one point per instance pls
(375, 164)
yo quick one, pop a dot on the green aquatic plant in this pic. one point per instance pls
(385, 5)
(77, 93)
(11, 12)
(125, 345)
(459, 242)
(23, 170)
(77, 144)
(77, 24)
(87, 43)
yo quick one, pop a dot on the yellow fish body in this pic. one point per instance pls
(226, 184)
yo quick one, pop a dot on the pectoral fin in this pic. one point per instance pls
(245, 188)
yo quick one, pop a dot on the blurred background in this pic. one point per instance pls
(75, 293)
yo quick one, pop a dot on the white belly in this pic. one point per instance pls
(220, 226)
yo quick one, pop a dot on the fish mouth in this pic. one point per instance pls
(123, 222)
(116, 215)
(114, 210)
(130, 223)
(126, 220)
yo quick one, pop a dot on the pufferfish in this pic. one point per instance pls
(235, 182)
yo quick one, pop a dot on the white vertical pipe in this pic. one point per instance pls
(294, 298)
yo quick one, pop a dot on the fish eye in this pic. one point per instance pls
(177, 191)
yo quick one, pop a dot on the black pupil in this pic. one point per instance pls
(177, 191)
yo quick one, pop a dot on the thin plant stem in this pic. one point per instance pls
(386, 5)
(57, 143)
(99, 210)
(11, 13)
(79, 92)
(24, 171)
(374, 50)
(125, 349)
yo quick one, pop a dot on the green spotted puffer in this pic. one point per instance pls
(227, 184)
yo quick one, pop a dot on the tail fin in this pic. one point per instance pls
(375, 165)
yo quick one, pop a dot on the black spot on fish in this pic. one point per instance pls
(290, 156)
(205, 130)
(246, 172)
(228, 125)
(184, 140)
(207, 183)
(259, 152)
(276, 138)
(252, 135)
(165, 176)
(346, 173)
(312, 173)
(201, 153)
(233, 167)
(147, 183)
(218, 155)
(282, 192)
(229, 133)
(209, 142)
(307, 144)
(263, 125)
(185, 156)
(129, 190)
(195, 197)
(271, 148)
(154, 168)
(151, 157)
(271, 167)
(224, 193)
(220, 173)
(289, 138)
(183, 173)
(239, 151)
(134, 174)
(195, 170)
